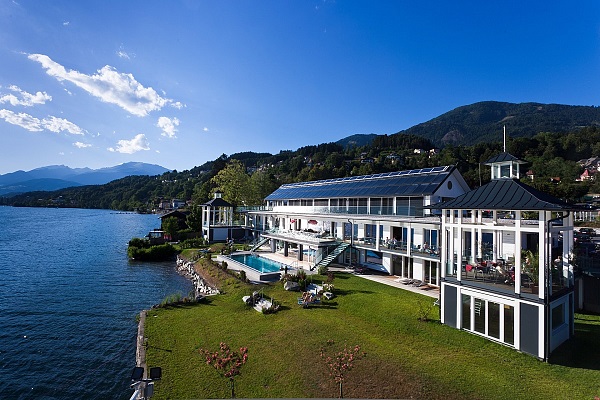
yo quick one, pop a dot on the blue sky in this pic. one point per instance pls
(178, 83)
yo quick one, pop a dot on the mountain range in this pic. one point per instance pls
(464, 126)
(57, 177)
(484, 122)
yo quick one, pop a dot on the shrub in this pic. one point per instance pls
(301, 274)
(161, 252)
(272, 309)
(323, 270)
(172, 299)
(139, 243)
(193, 243)
(243, 276)
(330, 277)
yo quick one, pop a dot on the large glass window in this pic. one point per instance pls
(479, 315)
(466, 312)
(494, 320)
(509, 324)
(491, 319)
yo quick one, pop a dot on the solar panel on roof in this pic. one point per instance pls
(397, 183)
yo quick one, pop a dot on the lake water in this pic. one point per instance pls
(69, 298)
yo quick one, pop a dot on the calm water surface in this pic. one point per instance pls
(68, 301)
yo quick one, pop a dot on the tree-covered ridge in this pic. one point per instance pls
(483, 122)
(246, 178)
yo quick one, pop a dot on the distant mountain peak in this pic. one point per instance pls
(54, 177)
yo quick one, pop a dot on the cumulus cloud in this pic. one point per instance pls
(80, 145)
(108, 85)
(138, 143)
(55, 124)
(23, 120)
(23, 98)
(33, 124)
(178, 105)
(168, 126)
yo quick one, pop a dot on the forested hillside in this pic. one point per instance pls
(245, 178)
(484, 121)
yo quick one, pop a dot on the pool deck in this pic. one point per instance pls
(390, 280)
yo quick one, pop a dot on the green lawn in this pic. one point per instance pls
(405, 357)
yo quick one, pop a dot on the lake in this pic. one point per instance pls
(69, 298)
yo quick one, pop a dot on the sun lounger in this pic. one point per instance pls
(408, 281)
(418, 283)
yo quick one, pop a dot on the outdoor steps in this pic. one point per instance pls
(259, 244)
(331, 256)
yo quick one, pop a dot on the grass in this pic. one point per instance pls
(405, 357)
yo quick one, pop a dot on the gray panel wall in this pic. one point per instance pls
(450, 306)
(529, 329)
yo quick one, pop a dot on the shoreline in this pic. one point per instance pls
(201, 288)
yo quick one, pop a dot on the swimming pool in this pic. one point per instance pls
(259, 264)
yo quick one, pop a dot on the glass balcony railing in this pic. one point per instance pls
(346, 210)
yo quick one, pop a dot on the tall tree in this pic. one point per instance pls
(233, 181)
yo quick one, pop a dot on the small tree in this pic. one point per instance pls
(229, 362)
(170, 225)
(341, 362)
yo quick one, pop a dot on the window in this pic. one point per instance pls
(494, 320)
(509, 324)
(558, 316)
(479, 317)
(466, 312)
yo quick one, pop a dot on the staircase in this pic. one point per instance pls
(325, 261)
(260, 243)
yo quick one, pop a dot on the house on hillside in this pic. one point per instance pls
(505, 270)
(586, 175)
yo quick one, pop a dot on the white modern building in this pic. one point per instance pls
(378, 221)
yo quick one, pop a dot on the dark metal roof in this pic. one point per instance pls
(505, 194)
(218, 202)
(503, 157)
(416, 182)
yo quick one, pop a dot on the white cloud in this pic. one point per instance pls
(66, 23)
(178, 105)
(24, 98)
(33, 124)
(205, 129)
(80, 145)
(168, 126)
(23, 120)
(123, 54)
(134, 145)
(55, 124)
(108, 85)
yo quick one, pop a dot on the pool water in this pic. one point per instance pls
(257, 263)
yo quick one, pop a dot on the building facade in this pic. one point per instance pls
(378, 221)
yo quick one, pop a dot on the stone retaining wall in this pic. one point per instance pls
(186, 268)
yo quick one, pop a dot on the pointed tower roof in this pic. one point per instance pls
(504, 157)
(505, 194)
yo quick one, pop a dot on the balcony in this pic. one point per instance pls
(348, 210)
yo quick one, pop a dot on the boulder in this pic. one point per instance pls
(289, 285)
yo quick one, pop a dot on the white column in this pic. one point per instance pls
(542, 252)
